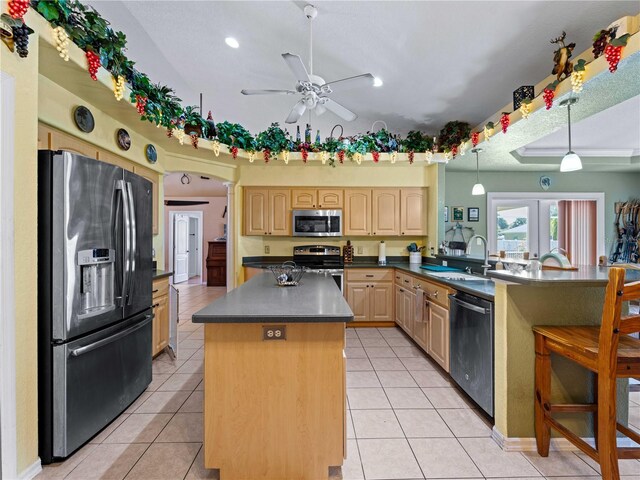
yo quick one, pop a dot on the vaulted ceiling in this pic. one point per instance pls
(439, 60)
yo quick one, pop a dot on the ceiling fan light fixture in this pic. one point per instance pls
(232, 42)
(571, 162)
(377, 82)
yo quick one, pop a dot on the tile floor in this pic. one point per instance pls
(405, 420)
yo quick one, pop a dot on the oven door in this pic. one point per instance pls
(317, 223)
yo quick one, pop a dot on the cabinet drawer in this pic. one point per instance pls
(370, 275)
(160, 288)
(401, 278)
(437, 293)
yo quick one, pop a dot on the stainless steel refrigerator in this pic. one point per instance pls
(94, 297)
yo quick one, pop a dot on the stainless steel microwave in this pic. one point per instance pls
(317, 223)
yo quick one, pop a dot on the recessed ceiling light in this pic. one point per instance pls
(232, 42)
(377, 82)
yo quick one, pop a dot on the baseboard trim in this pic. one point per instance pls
(528, 444)
(31, 471)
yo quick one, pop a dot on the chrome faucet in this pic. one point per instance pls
(485, 266)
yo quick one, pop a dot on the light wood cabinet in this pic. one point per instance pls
(438, 335)
(310, 198)
(385, 208)
(62, 141)
(369, 293)
(330, 198)
(421, 326)
(405, 300)
(160, 326)
(267, 211)
(357, 214)
(153, 177)
(304, 198)
(413, 211)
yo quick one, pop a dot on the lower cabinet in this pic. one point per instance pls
(369, 293)
(427, 324)
(160, 329)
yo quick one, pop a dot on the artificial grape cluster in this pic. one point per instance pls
(169, 132)
(61, 37)
(600, 42)
(548, 95)
(17, 8)
(612, 54)
(234, 152)
(21, 39)
(141, 103)
(577, 80)
(341, 156)
(305, 155)
(376, 156)
(94, 64)
(194, 140)
(525, 110)
(180, 135)
(266, 154)
(475, 137)
(454, 150)
(505, 121)
(411, 156)
(118, 87)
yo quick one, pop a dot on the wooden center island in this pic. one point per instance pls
(275, 380)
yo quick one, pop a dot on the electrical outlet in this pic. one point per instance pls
(274, 332)
(267, 249)
(360, 250)
(444, 263)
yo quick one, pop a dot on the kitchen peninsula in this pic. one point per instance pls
(274, 379)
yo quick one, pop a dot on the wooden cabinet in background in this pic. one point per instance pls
(369, 293)
(413, 211)
(250, 272)
(217, 264)
(62, 141)
(310, 198)
(385, 206)
(267, 211)
(160, 326)
(357, 211)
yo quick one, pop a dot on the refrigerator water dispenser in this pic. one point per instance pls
(97, 271)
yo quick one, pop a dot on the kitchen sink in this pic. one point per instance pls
(459, 276)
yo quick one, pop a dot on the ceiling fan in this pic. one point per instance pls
(313, 89)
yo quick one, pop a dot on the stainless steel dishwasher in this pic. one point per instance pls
(471, 347)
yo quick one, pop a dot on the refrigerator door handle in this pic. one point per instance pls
(116, 231)
(134, 234)
(105, 341)
(127, 241)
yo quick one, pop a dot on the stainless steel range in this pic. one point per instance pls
(321, 259)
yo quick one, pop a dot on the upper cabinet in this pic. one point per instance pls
(311, 198)
(385, 209)
(413, 211)
(357, 211)
(267, 211)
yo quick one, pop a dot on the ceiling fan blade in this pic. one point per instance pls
(297, 67)
(268, 92)
(339, 110)
(296, 112)
(365, 80)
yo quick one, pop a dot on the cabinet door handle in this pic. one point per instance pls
(319, 206)
(155, 291)
(369, 276)
(155, 305)
(401, 291)
(406, 281)
(402, 233)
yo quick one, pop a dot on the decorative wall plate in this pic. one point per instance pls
(151, 153)
(124, 140)
(545, 182)
(84, 119)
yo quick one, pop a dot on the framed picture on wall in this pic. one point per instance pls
(473, 214)
(446, 214)
(458, 214)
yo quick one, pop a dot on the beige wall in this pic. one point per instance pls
(25, 73)
(212, 224)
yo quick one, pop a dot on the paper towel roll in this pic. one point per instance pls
(382, 253)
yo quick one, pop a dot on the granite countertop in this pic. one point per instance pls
(156, 274)
(484, 288)
(316, 299)
(585, 276)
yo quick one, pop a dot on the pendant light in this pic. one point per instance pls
(571, 161)
(478, 188)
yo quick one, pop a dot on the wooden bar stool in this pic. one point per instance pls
(610, 353)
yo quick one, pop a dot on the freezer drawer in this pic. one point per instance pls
(96, 378)
(472, 348)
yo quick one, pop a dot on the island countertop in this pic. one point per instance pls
(585, 276)
(316, 299)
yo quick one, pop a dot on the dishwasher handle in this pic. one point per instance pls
(468, 305)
